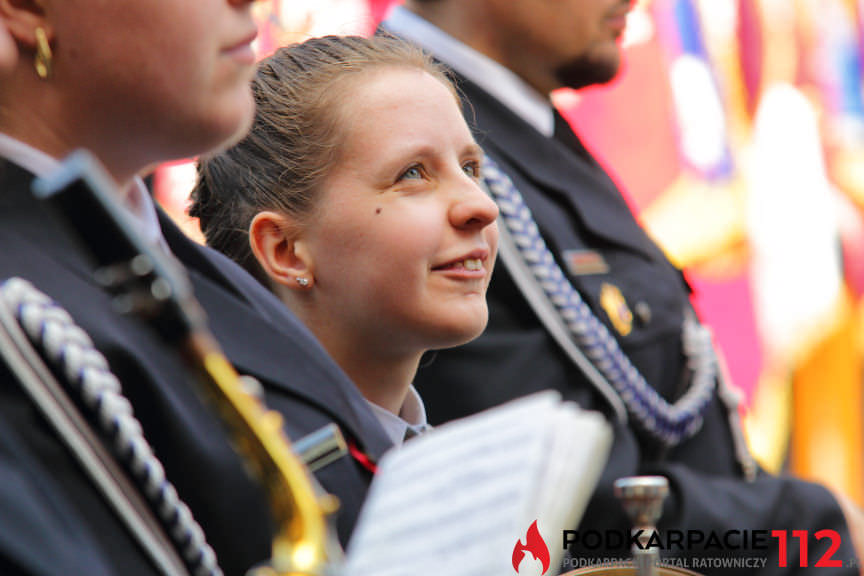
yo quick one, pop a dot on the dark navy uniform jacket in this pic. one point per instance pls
(52, 520)
(599, 245)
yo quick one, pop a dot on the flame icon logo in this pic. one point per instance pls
(534, 544)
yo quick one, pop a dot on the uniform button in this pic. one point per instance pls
(642, 311)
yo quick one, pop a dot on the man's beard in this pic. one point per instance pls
(587, 71)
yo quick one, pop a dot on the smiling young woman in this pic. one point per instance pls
(361, 207)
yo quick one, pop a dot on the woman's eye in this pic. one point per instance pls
(472, 169)
(412, 173)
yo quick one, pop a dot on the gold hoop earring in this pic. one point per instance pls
(44, 57)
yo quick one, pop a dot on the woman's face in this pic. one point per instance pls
(403, 239)
(157, 78)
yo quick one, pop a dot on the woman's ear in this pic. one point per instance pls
(21, 18)
(276, 242)
(8, 51)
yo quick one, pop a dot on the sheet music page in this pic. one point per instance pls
(578, 449)
(456, 500)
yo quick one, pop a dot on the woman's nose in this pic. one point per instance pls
(473, 208)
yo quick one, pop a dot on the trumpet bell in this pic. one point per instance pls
(628, 569)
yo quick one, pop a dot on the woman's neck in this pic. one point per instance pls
(382, 381)
(381, 372)
(32, 125)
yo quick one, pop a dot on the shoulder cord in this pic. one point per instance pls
(668, 423)
(73, 355)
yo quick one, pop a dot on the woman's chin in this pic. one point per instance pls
(229, 126)
(464, 331)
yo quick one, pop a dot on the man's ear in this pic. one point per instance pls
(21, 18)
(277, 245)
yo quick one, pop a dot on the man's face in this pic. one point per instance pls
(557, 43)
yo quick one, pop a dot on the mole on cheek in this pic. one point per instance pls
(377, 210)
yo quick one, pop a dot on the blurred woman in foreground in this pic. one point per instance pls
(138, 82)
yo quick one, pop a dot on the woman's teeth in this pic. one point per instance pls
(467, 264)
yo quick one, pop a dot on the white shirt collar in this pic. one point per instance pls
(412, 416)
(533, 107)
(136, 200)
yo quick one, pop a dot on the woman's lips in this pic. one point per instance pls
(242, 50)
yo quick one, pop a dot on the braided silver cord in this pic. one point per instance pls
(72, 353)
(669, 423)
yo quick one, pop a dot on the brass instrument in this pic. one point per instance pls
(82, 192)
(629, 570)
(642, 498)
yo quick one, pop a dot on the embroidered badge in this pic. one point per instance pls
(616, 308)
(585, 262)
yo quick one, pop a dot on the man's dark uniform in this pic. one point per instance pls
(601, 247)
